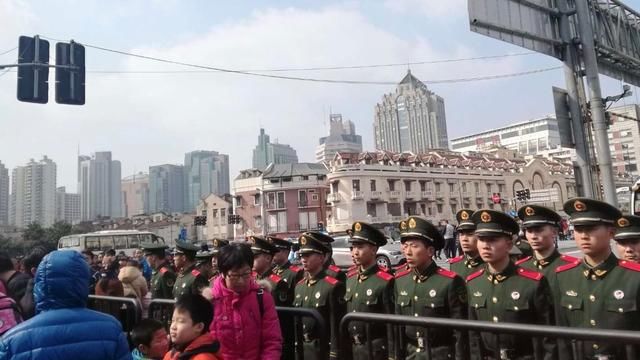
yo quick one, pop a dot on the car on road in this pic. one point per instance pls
(388, 256)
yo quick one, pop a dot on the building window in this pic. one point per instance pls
(372, 183)
(423, 186)
(477, 187)
(314, 197)
(423, 208)
(464, 187)
(501, 188)
(256, 199)
(281, 203)
(334, 187)
(489, 188)
(371, 209)
(302, 198)
(430, 210)
(439, 207)
(454, 208)
(356, 185)
(214, 213)
(392, 185)
(407, 185)
(438, 187)
(223, 213)
(452, 188)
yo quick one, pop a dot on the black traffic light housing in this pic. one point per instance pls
(33, 80)
(70, 73)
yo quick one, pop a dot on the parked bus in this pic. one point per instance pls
(634, 196)
(120, 240)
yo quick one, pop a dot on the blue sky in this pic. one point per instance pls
(149, 119)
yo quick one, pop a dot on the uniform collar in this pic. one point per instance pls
(278, 269)
(501, 276)
(422, 276)
(601, 270)
(364, 274)
(471, 262)
(188, 269)
(311, 280)
(542, 263)
(264, 274)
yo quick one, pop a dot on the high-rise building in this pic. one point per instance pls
(342, 138)
(166, 188)
(33, 193)
(267, 153)
(99, 186)
(206, 172)
(135, 194)
(624, 139)
(411, 119)
(67, 206)
(4, 195)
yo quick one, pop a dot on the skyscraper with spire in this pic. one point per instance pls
(411, 119)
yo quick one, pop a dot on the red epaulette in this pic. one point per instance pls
(301, 281)
(455, 259)
(334, 268)
(567, 266)
(447, 273)
(399, 267)
(352, 273)
(195, 272)
(403, 273)
(275, 278)
(352, 267)
(163, 270)
(294, 268)
(384, 275)
(570, 259)
(523, 260)
(475, 275)
(629, 265)
(384, 268)
(529, 274)
(330, 280)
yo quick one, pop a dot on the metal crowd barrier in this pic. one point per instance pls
(126, 310)
(574, 335)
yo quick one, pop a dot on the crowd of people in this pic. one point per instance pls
(226, 295)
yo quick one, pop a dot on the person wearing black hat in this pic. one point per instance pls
(503, 292)
(467, 263)
(320, 292)
(263, 252)
(215, 249)
(599, 292)
(628, 238)
(428, 290)
(162, 277)
(369, 289)
(189, 279)
(203, 264)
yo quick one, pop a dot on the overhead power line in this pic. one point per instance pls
(8, 51)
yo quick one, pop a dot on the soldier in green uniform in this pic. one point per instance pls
(291, 275)
(429, 290)
(215, 249)
(369, 289)
(203, 263)
(504, 292)
(189, 279)
(332, 270)
(321, 292)
(469, 262)
(263, 252)
(599, 292)
(628, 238)
(162, 277)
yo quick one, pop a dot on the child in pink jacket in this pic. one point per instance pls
(245, 331)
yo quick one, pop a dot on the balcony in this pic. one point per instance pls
(375, 195)
(276, 206)
(357, 195)
(439, 194)
(333, 197)
(394, 194)
(411, 195)
(427, 194)
(396, 218)
(467, 194)
(303, 204)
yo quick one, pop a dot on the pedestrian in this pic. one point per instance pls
(203, 263)
(215, 249)
(320, 292)
(369, 289)
(133, 282)
(109, 284)
(63, 328)
(30, 264)
(95, 270)
(149, 339)
(15, 282)
(138, 255)
(245, 319)
(428, 290)
(189, 279)
(470, 260)
(504, 292)
(263, 252)
(628, 238)
(189, 330)
(162, 277)
(599, 292)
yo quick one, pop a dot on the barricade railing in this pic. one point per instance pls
(161, 310)
(574, 336)
(126, 310)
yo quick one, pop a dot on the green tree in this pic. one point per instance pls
(55, 232)
(33, 233)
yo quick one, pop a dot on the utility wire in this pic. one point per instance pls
(8, 51)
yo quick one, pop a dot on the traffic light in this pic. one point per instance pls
(33, 80)
(200, 220)
(230, 219)
(70, 73)
(527, 194)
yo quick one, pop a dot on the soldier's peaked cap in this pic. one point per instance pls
(185, 248)
(585, 211)
(155, 248)
(491, 222)
(627, 228)
(463, 216)
(421, 228)
(314, 242)
(363, 232)
(260, 245)
(280, 244)
(217, 245)
(536, 215)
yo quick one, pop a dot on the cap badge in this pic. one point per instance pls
(412, 223)
(303, 240)
(618, 294)
(432, 293)
(579, 206)
(572, 293)
(252, 239)
(485, 217)
(215, 243)
(477, 294)
(622, 222)
(515, 295)
(403, 225)
(464, 215)
(357, 227)
(529, 211)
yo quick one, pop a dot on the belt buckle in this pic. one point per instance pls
(306, 337)
(420, 342)
(602, 357)
(357, 340)
(505, 354)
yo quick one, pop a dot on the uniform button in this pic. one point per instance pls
(416, 314)
(495, 300)
(495, 319)
(593, 277)
(596, 347)
(570, 306)
(356, 294)
(620, 310)
(415, 297)
(476, 306)
(515, 308)
(592, 322)
(592, 298)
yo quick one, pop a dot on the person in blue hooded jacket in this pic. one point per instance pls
(63, 327)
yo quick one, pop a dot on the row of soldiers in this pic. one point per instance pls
(484, 283)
